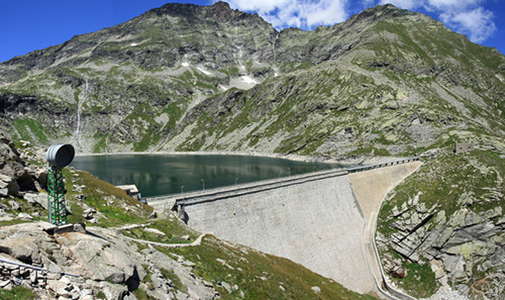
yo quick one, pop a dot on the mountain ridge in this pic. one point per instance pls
(268, 54)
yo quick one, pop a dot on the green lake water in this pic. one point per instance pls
(169, 174)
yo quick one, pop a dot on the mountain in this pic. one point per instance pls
(387, 82)
(185, 77)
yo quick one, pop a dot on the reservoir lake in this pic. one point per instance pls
(159, 174)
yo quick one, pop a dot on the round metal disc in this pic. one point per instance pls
(60, 155)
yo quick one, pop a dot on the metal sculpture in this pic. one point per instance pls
(58, 157)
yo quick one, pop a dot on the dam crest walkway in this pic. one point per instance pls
(176, 201)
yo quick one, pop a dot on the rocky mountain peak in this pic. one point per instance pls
(220, 11)
(381, 12)
(176, 9)
(221, 5)
(223, 12)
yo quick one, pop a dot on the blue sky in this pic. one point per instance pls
(27, 25)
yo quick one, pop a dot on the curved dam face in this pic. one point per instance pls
(323, 224)
(311, 223)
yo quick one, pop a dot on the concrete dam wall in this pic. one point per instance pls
(311, 223)
(325, 223)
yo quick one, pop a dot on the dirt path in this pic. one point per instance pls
(196, 242)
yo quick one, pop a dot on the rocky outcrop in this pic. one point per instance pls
(15, 175)
(450, 242)
(84, 265)
(460, 237)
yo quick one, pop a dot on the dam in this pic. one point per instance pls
(323, 220)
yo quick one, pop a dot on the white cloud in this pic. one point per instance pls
(468, 17)
(262, 6)
(452, 4)
(476, 23)
(298, 13)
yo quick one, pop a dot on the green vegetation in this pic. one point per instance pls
(17, 293)
(369, 150)
(142, 120)
(176, 281)
(198, 80)
(141, 294)
(100, 295)
(13, 222)
(232, 71)
(101, 144)
(173, 231)
(174, 114)
(116, 207)
(305, 143)
(257, 275)
(444, 179)
(25, 207)
(420, 280)
(30, 130)
(147, 140)
(402, 32)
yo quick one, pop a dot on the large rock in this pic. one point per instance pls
(10, 162)
(37, 198)
(15, 176)
(111, 262)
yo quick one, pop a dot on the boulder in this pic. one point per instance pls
(455, 266)
(79, 228)
(4, 183)
(14, 205)
(89, 213)
(153, 215)
(21, 247)
(13, 188)
(24, 216)
(37, 198)
(11, 164)
(110, 262)
(14, 173)
(4, 283)
(118, 277)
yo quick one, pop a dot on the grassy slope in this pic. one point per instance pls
(112, 203)
(17, 293)
(258, 276)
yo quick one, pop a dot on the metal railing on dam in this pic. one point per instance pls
(242, 189)
(382, 165)
(192, 198)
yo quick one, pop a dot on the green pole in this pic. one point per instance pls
(56, 197)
